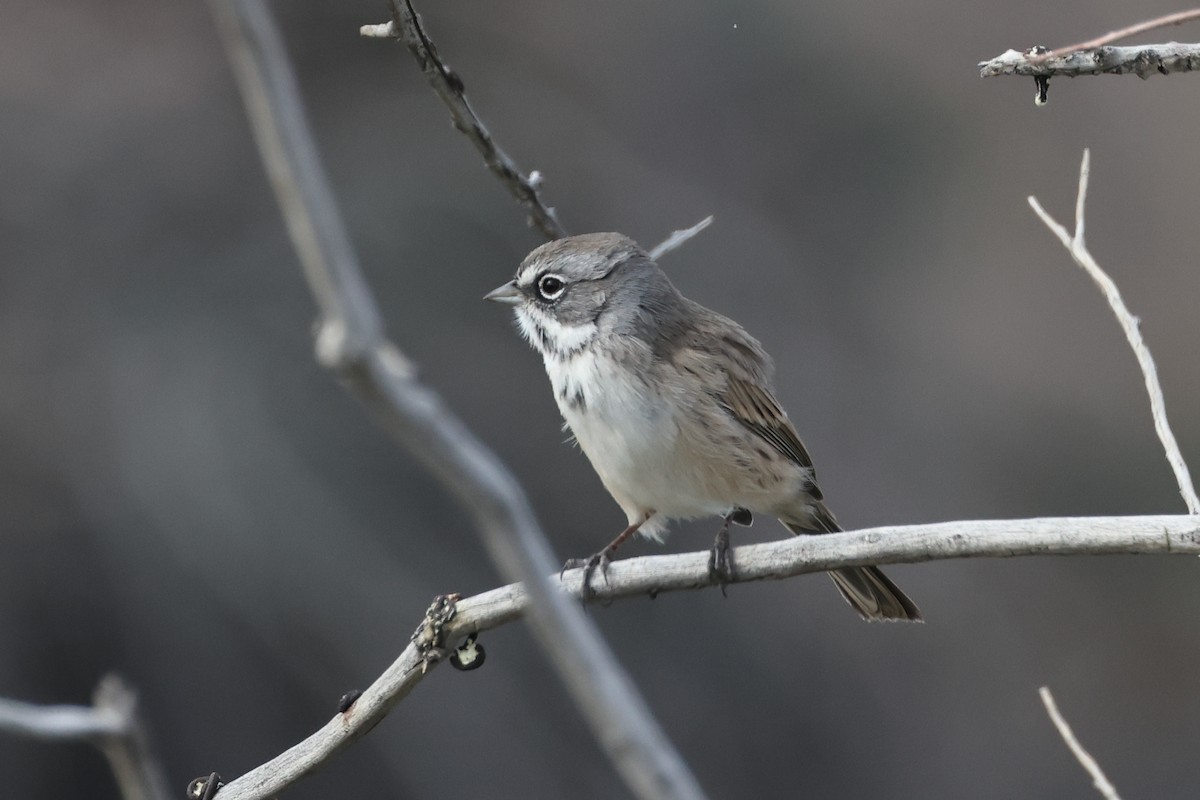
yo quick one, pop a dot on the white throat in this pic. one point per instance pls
(551, 338)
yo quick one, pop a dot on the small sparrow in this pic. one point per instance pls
(672, 404)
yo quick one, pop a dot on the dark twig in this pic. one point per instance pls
(406, 26)
(351, 341)
(112, 724)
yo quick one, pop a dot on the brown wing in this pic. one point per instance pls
(754, 407)
(719, 351)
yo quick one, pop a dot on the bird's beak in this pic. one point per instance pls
(508, 294)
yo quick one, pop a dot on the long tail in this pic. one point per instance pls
(867, 589)
(874, 596)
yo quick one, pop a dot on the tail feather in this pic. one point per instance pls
(871, 593)
(874, 596)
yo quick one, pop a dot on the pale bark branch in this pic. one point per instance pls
(1077, 247)
(1093, 57)
(786, 558)
(351, 341)
(1106, 789)
(406, 27)
(1142, 60)
(112, 724)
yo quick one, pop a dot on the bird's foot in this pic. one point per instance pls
(589, 565)
(720, 559)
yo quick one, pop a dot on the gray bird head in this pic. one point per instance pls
(569, 291)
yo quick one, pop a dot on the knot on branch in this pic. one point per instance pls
(335, 348)
(430, 635)
(338, 349)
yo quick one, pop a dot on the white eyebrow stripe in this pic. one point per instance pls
(526, 275)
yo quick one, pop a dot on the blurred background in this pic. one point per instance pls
(190, 500)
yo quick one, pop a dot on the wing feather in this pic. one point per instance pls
(754, 407)
(719, 352)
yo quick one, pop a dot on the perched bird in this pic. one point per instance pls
(672, 404)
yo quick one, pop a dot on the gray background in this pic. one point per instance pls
(188, 499)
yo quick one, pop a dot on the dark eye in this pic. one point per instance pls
(551, 287)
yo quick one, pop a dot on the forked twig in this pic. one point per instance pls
(1077, 247)
(112, 723)
(1106, 789)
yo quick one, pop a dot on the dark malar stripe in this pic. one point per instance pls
(573, 397)
(543, 338)
(550, 348)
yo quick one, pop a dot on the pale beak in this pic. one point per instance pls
(508, 294)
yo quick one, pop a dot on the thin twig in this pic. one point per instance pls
(351, 342)
(679, 237)
(1106, 789)
(1077, 247)
(406, 26)
(786, 558)
(112, 724)
(1178, 18)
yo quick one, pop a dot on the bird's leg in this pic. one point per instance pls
(720, 558)
(602, 558)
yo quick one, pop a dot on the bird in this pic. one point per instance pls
(673, 405)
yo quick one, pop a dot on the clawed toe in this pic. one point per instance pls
(589, 565)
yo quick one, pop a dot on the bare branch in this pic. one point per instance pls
(406, 26)
(375, 370)
(651, 575)
(679, 238)
(112, 724)
(1141, 60)
(1093, 58)
(1106, 789)
(351, 342)
(1178, 18)
(1077, 247)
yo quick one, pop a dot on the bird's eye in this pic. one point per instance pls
(551, 287)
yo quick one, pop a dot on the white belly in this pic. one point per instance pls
(631, 436)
